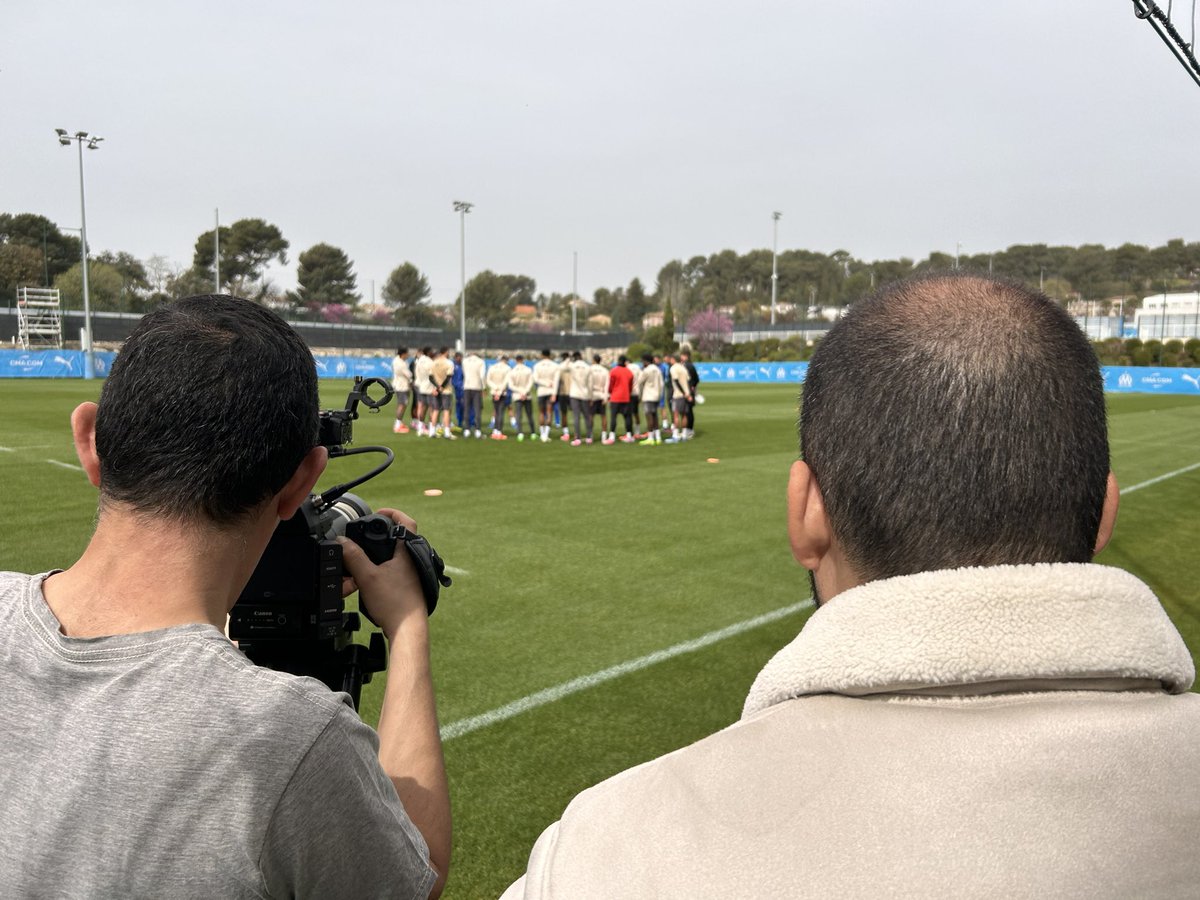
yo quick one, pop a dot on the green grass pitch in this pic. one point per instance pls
(579, 559)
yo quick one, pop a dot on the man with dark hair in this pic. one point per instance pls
(620, 381)
(497, 385)
(458, 381)
(401, 384)
(564, 394)
(441, 376)
(598, 383)
(650, 388)
(680, 392)
(546, 375)
(423, 387)
(473, 368)
(520, 386)
(975, 709)
(635, 399)
(685, 357)
(581, 398)
(665, 400)
(144, 755)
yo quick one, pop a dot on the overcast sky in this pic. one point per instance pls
(631, 132)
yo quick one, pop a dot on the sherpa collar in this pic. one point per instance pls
(981, 626)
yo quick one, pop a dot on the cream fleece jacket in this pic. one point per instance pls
(401, 375)
(420, 368)
(579, 387)
(497, 377)
(598, 382)
(520, 381)
(1008, 732)
(473, 367)
(546, 376)
(650, 384)
(1073, 623)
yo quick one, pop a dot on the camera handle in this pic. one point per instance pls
(378, 536)
(359, 661)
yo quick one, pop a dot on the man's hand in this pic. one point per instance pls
(410, 748)
(389, 594)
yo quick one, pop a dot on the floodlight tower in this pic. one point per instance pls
(93, 143)
(462, 208)
(217, 251)
(574, 291)
(774, 260)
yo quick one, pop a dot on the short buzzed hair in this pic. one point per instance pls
(210, 407)
(957, 420)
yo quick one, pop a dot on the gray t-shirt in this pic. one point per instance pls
(166, 764)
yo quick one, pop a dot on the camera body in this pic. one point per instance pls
(291, 615)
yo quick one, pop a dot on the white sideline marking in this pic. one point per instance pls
(55, 462)
(455, 571)
(7, 450)
(1140, 485)
(575, 685)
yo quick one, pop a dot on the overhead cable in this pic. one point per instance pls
(1162, 24)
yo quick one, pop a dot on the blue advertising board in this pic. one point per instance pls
(51, 363)
(751, 372)
(349, 366)
(1145, 380)
(70, 364)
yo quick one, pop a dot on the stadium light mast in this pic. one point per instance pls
(574, 289)
(93, 143)
(462, 208)
(774, 260)
(217, 250)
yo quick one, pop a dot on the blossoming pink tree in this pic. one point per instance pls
(708, 330)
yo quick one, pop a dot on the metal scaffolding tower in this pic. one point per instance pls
(39, 318)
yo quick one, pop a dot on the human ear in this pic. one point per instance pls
(808, 525)
(83, 432)
(1108, 514)
(300, 485)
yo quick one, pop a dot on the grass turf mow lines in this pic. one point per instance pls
(582, 560)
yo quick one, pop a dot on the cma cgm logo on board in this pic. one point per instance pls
(26, 361)
(1125, 381)
(1156, 380)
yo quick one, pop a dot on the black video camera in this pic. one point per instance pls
(291, 616)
